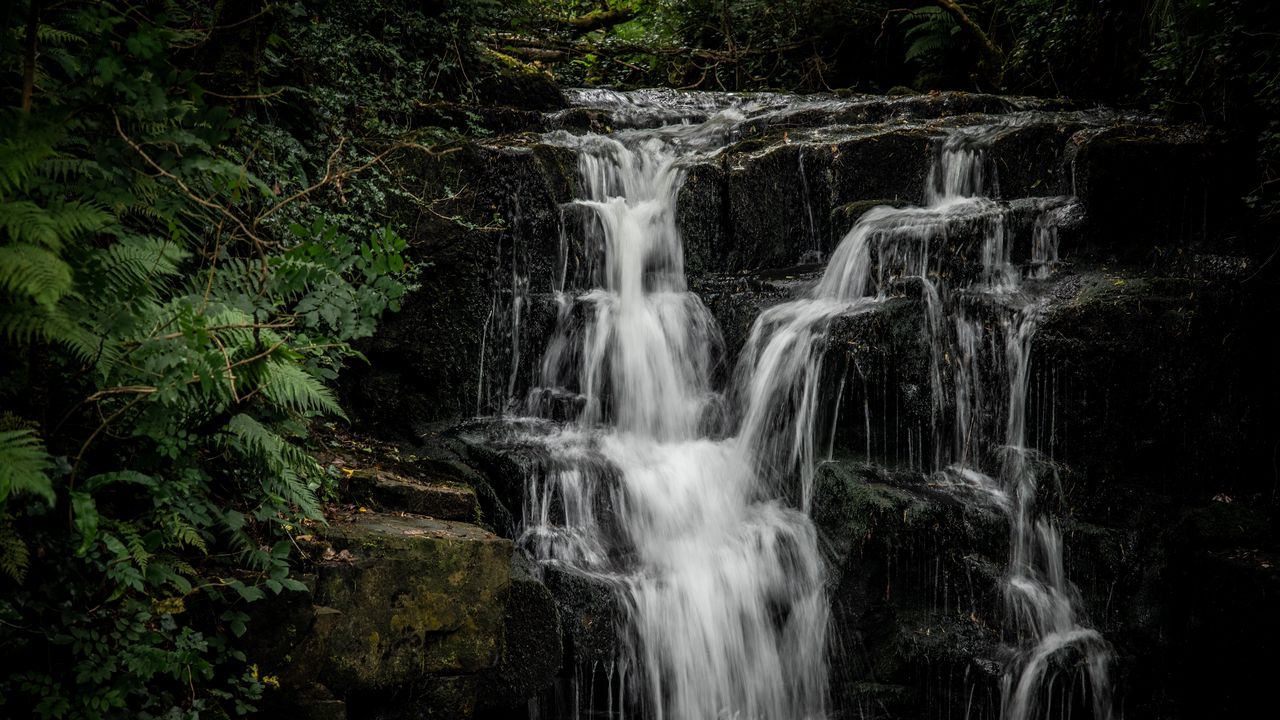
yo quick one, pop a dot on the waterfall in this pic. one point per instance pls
(718, 573)
(781, 365)
(691, 502)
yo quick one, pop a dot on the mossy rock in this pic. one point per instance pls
(422, 596)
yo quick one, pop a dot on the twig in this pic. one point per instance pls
(203, 202)
(123, 390)
(75, 467)
(257, 96)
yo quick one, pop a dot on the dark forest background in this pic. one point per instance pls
(193, 241)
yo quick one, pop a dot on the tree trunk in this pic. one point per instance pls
(29, 55)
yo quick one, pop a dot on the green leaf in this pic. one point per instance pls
(84, 514)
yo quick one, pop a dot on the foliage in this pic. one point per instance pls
(1218, 61)
(176, 302)
(934, 42)
(707, 44)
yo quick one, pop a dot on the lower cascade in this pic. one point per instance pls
(684, 481)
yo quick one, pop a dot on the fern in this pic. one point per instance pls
(289, 386)
(33, 273)
(19, 158)
(133, 541)
(26, 222)
(15, 558)
(931, 31)
(289, 467)
(184, 534)
(78, 217)
(63, 169)
(129, 267)
(24, 466)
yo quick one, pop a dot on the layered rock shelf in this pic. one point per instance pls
(1148, 399)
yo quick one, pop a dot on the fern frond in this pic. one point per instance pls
(931, 31)
(34, 273)
(19, 158)
(23, 324)
(289, 386)
(288, 467)
(26, 222)
(78, 217)
(24, 465)
(62, 168)
(183, 534)
(134, 543)
(127, 267)
(15, 558)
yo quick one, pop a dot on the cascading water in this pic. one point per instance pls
(692, 503)
(782, 362)
(720, 579)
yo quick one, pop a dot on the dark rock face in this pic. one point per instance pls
(1156, 382)
(531, 655)
(448, 353)
(1152, 391)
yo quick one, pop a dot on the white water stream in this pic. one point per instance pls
(721, 581)
(700, 525)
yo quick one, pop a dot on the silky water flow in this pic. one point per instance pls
(692, 502)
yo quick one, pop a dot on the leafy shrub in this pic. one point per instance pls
(170, 322)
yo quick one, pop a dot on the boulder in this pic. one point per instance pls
(406, 617)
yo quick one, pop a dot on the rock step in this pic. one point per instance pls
(440, 499)
(408, 617)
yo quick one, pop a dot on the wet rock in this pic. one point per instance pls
(589, 616)
(583, 119)
(422, 596)
(531, 649)
(844, 217)
(771, 207)
(496, 227)
(735, 301)
(1127, 391)
(702, 214)
(915, 590)
(878, 367)
(890, 164)
(1148, 187)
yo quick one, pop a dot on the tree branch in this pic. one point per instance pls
(598, 19)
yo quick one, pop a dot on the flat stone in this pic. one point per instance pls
(438, 499)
